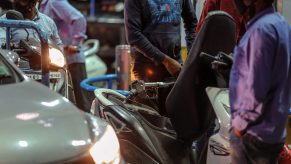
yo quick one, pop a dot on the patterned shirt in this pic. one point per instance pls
(46, 24)
(153, 28)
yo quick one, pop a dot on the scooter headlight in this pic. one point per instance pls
(56, 57)
(106, 149)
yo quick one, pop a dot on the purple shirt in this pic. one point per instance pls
(260, 82)
(70, 22)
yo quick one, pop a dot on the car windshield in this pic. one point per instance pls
(7, 74)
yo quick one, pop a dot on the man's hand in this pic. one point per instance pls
(237, 132)
(70, 49)
(172, 66)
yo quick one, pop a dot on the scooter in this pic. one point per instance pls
(32, 59)
(94, 65)
(148, 137)
(145, 135)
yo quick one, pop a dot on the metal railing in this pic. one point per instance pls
(43, 40)
(109, 79)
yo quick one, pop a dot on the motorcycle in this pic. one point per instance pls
(40, 60)
(148, 136)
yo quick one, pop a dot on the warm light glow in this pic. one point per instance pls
(56, 57)
(51, 104)
(150, 72)
(22, 143)
(106, 150)
(27, 116)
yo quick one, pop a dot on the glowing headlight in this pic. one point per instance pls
(56, 57)
(106, 149)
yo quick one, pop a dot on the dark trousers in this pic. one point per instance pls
(78, 73)
(249, 150)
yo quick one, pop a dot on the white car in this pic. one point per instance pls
(38, 125)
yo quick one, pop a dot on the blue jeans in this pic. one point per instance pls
(249, 150)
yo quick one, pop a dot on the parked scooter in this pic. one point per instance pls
(94, 64)
(145, 135)
(148, 137)
(31, 58)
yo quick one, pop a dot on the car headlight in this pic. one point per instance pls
(56, 57)
(106, 149)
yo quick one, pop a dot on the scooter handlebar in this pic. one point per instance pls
(208, 56)
(221, 57)
(158, 84)
(139, 86)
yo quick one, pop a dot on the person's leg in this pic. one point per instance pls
(248, 149)
(237, 151)
(78, 73)
(260, 152)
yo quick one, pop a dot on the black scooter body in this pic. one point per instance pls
(145, 137)
(144, 134)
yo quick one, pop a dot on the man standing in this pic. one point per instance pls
(72, 28)
(260, 85)
(153, 30)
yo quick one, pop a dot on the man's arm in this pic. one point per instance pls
(79, 28)
(190, 22)
(250, 79)
(133, 27)
(67, 13)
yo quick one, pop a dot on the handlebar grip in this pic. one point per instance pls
(158, 84)
(72, 49)
(207, 56)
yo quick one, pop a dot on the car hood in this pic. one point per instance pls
(38, 125)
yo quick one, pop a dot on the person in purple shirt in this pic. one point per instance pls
(260, 85)
(72, 29)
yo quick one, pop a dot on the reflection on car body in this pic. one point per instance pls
(38, 125)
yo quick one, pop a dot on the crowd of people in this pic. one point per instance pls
(260, 78)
